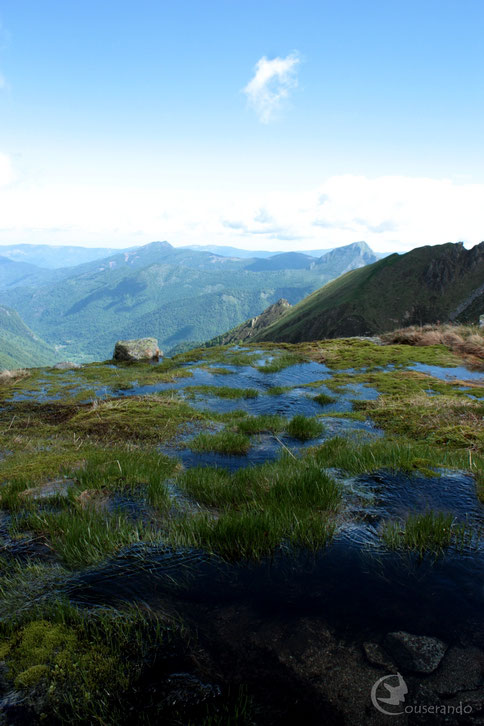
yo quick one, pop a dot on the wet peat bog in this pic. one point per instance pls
(291, 551)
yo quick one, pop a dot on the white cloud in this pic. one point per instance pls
(272, 82)
(392, 213)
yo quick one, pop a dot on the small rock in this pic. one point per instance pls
(377, 656)
(187, 691)
(56, 488)
(95, 498)
(481, 321)
(418, 653)
(140, 349)
(67, 365)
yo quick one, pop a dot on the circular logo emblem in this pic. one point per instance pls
(388, 693)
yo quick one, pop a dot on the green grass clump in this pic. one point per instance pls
(431, 532)
(278, 390)
(280, 362)
(254, 534)
(357, 457)
(343, 353)
(223, 442)
(259, 424)
(155, 419)
(323, 399)
(288, 501)
(138, 471)
(304, 428)
(83, 537)
(222, 391)
(445, 420)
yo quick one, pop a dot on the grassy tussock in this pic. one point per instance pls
(305, 428)
(261, 507)
(465, 340)
(397, 454)
(83, 537)
(139, 472)
(151, 419)
(223, 442)
(431, 532)
(222, 392)
(456, 422)
(266, 423)
(324, 399)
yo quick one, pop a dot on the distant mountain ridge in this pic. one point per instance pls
(177, 295)
(54, 256)
(427, 285)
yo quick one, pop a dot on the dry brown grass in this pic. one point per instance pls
(467, 341)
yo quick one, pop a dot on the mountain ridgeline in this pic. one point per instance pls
(181, 296)
(427, 285)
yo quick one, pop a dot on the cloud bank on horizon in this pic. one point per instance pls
(391, 213)
(271, 85)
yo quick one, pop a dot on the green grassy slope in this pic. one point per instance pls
(425, 285)
(19, 347)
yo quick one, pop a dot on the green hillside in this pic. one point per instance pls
(19, 346)
(426, 285)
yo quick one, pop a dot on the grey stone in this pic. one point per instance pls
(139, 349)
(188, 691)
(56, 488)
(377, 656)
(417, 653)
(481, 321)
(67, 365)
(461, 670)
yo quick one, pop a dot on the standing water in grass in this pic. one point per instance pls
(241, 518)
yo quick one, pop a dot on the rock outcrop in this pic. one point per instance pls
(416, 653)
(255, 325)
(139, 349)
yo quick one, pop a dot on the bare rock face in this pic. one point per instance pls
(417, 653)
(139, 349)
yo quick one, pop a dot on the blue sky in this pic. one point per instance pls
(265, 124)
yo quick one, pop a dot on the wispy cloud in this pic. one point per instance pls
(271, 85)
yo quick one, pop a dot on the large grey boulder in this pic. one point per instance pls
(139, 349)
(417, 653)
